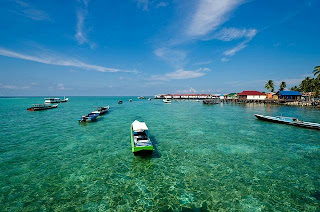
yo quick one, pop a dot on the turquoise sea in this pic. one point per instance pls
(207, 158)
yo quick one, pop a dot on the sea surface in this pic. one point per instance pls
(207, 158)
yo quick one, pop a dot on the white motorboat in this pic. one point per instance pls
(168, 101)
(52, 100)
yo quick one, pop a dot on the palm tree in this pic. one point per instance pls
(316, 71)
(294, 88)
(270, 85)
(283, 85)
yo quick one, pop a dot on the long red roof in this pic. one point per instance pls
(250, 93)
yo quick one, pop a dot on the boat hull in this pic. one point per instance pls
(294, 123)
(139, 149)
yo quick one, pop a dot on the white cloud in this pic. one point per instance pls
(80, 35)
(173, 56)
(190, 90)
(29, 11)
(203, 63)
(162, 4)
(229, 34)
(51, 60)
(143, 4)
(209, 15)
(234, 50)
(249, 36)
(181, 74)
(60, 86)
(224, 59)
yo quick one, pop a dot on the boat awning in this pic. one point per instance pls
(139, 126)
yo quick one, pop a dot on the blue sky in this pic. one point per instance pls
(146, 47)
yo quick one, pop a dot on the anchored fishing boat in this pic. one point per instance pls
(64, 100)
(52, 100)
(168, 101)
(90, 117)
(120, 102)
(37, 107)
(103, 110)
(140, 141)
(289, 121)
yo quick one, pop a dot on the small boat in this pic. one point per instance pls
(149, 99)
(103, 110)
(289, 121)
(211, 101)
(90, 117)
(64, 100)
(52, 100)
(168, 101)
(120, 102)
(37, 107)
(140, 141)
(130, 100)
(140, 97)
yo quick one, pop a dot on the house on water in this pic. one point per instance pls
(290, 95)
(251, 95)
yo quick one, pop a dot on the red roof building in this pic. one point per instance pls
(251, 95)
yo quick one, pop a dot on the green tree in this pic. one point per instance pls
(316, 71)
(283, 85)
(294, 88)
(270, 85)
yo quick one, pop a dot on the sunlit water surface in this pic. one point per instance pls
(207, 158)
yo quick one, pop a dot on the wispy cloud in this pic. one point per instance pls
(209, 15)
(28, 10)
(234, 50)
(190, 90)
(173, 56)
(143, 4)
(53, 60)
(16, 87)
(202, 63)
(248, 34)
(80, 35)
(162, 4)
(229, 34)
(181, 74)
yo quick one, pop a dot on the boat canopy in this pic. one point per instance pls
(138, 126)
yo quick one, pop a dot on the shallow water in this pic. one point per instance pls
(207, 158)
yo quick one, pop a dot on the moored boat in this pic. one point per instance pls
(140, 97)
(120, 102)
(289, 121)
(52, 100)
(168, 101)
(90, 117)
(149, 99)
(64, 99)
(130, 100)
(37, 107)
(103, 110)
(140, 141)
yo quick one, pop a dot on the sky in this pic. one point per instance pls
(148, 47)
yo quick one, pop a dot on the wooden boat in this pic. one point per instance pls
(140, 141)
(120, 102)
(103, 110)
(37, 107)
(89, 118)
(168, 101)
(289, 121)
(211, 101)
